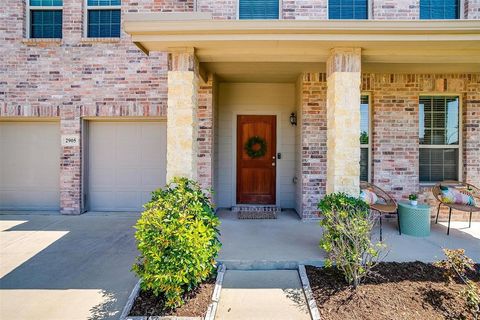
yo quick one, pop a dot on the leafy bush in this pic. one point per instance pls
(347, 225)
(456, 266)
(177, 236)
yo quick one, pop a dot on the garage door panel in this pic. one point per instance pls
(101, 200)
(136, 157)
(129, 178)
(152, 178)
(128, 200)
(29, 166)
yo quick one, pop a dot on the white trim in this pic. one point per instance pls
(29, 8)
(235, 114)
(86, 7)
(458, 146)
(370, 134)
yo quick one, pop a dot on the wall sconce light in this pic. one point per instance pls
(293, 119)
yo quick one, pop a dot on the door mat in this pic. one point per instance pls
(256, 212)
(257, 215)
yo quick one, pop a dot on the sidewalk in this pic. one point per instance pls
(262, 295)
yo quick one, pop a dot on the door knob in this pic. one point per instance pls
(273, 164)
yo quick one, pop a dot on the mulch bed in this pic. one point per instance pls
(196, 303)
(410, 290)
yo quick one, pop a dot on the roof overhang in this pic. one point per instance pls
(415, 41)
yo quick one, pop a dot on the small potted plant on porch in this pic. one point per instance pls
(413, 199)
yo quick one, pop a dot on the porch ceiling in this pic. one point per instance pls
(308, 41)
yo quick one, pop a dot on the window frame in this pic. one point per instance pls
(369, 11)
(370, 134)
(28, 22)
(459, 146)
(85, 18)
(461, 11)
(280, 11)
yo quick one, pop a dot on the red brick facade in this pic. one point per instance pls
(395, 149)
(75, 77)
(313, 105)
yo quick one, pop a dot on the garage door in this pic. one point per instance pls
(127, 161)
(29, 166)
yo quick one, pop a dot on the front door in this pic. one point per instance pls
(256, 159)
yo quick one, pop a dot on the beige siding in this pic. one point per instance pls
(256, 98)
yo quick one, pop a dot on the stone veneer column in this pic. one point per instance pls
(70, 162)
(206, 134)
(343, 120)
(182, 127)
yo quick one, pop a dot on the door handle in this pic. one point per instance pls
(273, 164)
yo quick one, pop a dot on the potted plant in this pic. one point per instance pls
(413, 199)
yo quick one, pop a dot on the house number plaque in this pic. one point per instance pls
(70, 140)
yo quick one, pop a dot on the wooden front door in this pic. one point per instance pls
(256, 172)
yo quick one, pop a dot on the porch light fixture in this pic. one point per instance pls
(293, 119)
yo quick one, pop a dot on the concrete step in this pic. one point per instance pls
(270, 264)
(262, 294)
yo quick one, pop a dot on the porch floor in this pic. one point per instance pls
(288, 241)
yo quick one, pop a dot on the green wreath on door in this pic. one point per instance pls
(256, 152)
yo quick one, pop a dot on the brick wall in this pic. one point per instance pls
(396, 9)
(304, 9)
(395, 144)
(220, 9)
(472, 9)
(395, 129)
(313, 106)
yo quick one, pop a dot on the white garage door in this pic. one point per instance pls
(127, 161)
(29, 166)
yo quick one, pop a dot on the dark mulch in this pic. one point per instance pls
(412, 290)
(196, 303)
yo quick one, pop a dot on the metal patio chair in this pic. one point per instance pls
(460, 186)
(387, 204)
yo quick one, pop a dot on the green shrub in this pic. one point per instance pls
(177, 236)
(347, 225)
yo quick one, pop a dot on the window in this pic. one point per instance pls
(44, 18)
(439, 9)
(103, 18)
(258, 9)
(365, 143)
(439, 138)
(348, 9)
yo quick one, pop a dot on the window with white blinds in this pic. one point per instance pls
(439, 138)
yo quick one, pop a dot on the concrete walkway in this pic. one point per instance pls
(268, 244)
(287, 241)
(65, 267)
(262, 295)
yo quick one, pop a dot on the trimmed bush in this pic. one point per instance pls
(347, 225)
(177, 236)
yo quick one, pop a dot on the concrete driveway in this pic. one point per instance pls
(66, 267)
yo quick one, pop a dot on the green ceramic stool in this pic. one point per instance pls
(414, 220)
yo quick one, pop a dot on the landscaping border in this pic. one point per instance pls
(312, 304)
(211, 311)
